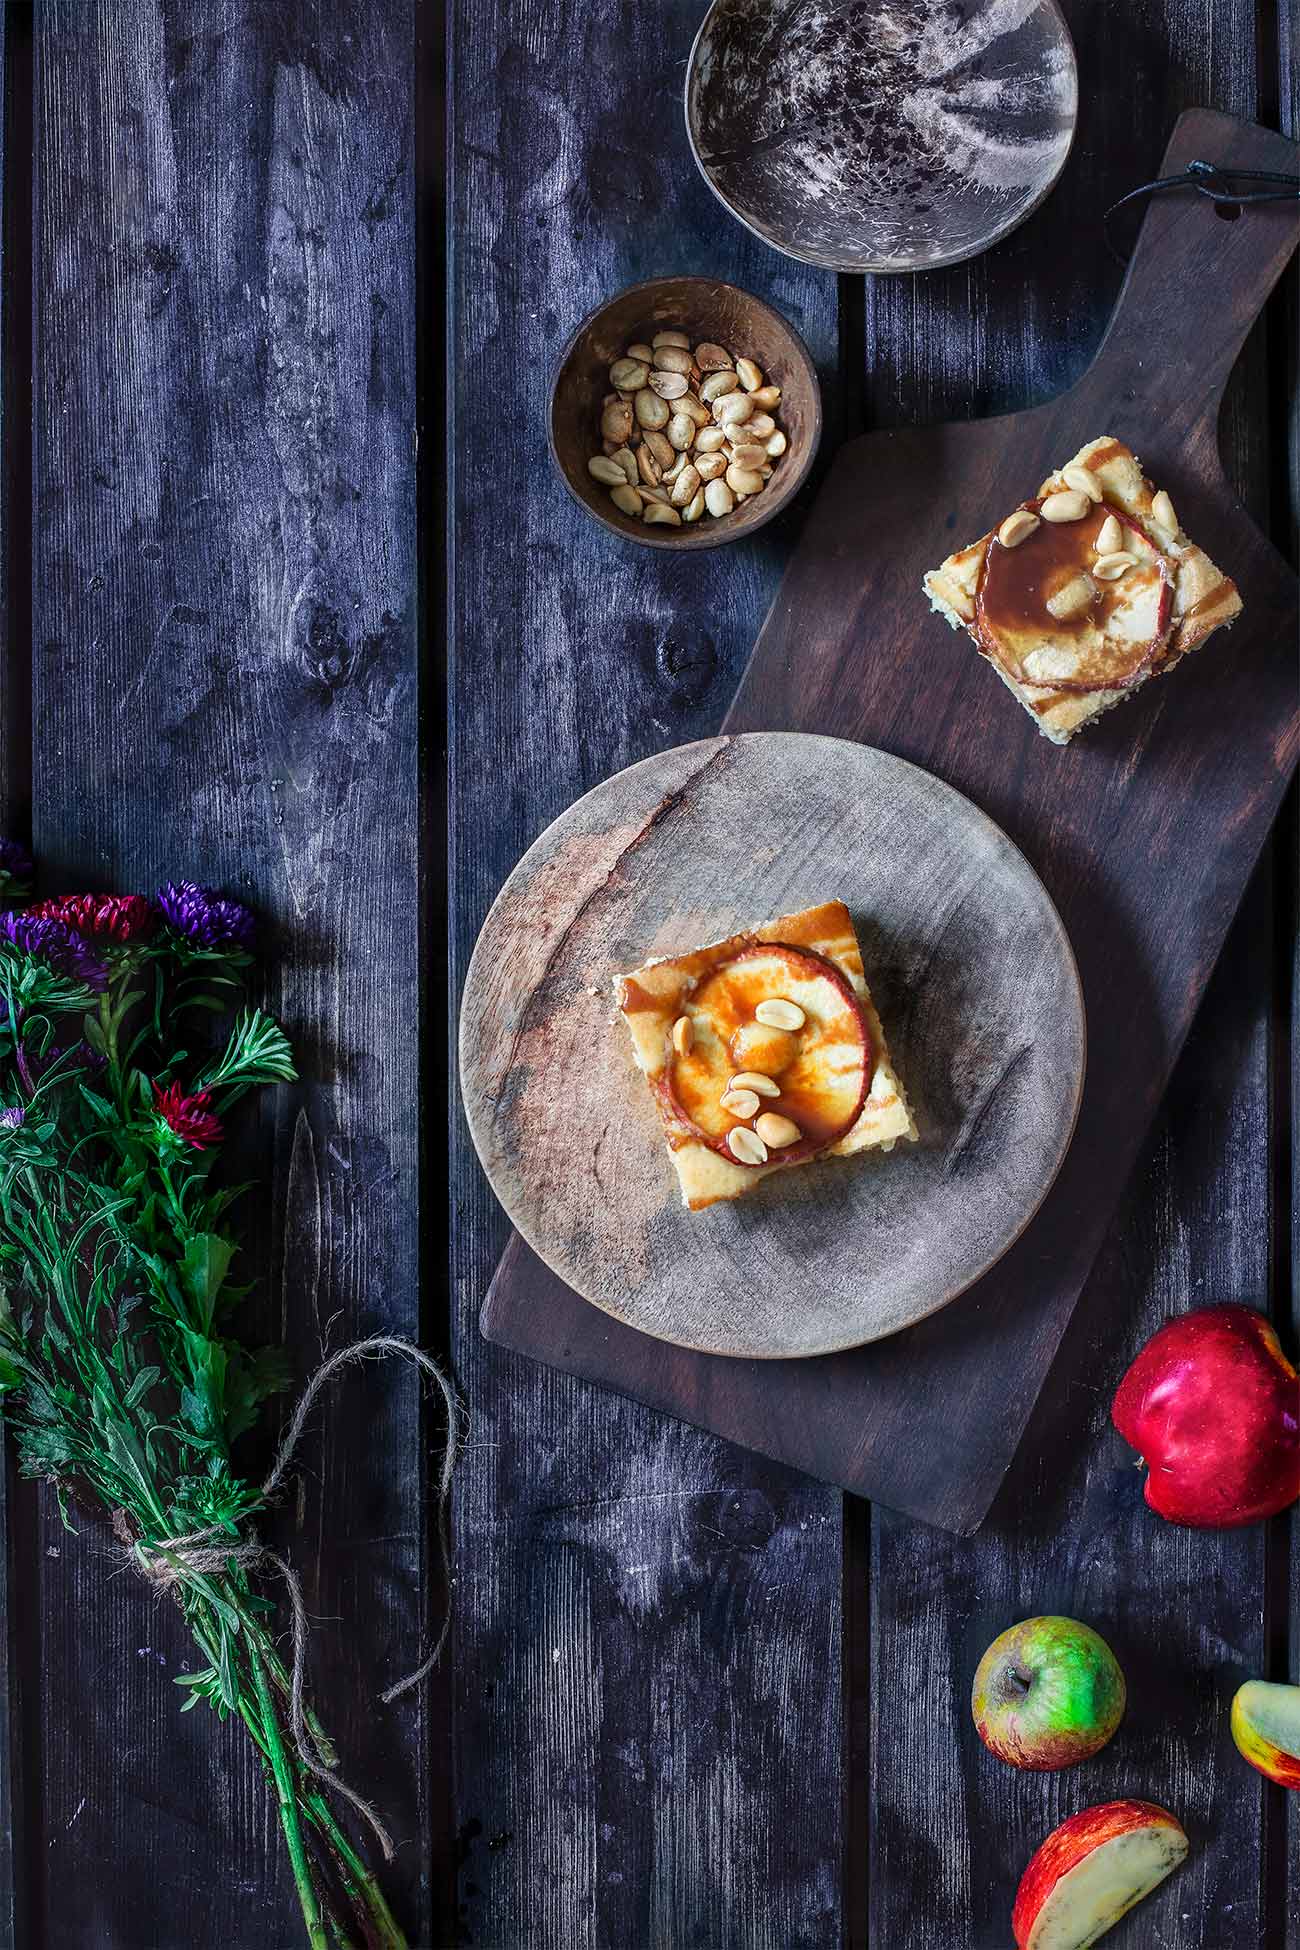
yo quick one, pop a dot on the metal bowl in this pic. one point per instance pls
(882, 135)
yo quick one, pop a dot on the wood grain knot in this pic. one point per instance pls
(747, 1518)
(686, 662)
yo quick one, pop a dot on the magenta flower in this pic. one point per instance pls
(205, 917)
(188, 1116)
(54, 943)
(112, 917)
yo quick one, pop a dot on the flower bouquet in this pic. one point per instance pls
(124, 1044)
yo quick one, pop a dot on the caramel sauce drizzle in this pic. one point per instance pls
(1016, 583)
(725, 992)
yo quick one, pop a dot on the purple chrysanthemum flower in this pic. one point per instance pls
(50, 941)
(204, 916)
(15, 860)
(13, 1115)
(78, 1056)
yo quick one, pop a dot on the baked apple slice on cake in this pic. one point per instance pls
(764, 1051)
(1084, 591)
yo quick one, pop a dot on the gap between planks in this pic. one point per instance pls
(19, 1729)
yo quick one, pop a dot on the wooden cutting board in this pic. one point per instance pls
(1144, 831)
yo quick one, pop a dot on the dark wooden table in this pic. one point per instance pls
(694, 1700)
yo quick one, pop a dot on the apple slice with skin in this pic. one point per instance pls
(1266, 1728)
(824, 1070)
(1091, 1871)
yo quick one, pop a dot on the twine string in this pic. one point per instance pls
(167, 1561)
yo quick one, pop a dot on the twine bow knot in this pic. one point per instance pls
(172, 1559)
(168, 1561)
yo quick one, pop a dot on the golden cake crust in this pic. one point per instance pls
(651, 998)
(1203, 598)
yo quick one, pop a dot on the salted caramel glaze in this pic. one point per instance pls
(1112, 629)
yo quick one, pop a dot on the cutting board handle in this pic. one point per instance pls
(1173, 355)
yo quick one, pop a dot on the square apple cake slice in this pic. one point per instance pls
(762, 1052)
(1085, 591)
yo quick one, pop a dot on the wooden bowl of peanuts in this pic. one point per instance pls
(684, 413)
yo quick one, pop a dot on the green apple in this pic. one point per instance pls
(1047, 1693)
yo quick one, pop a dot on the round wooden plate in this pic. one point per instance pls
(970, 969)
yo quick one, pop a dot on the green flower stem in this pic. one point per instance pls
(110, 1021)
(359, 1884)
(20, 1060)
(278, 1761)
(280, 1678)
(358, 1879)
(249, 1715)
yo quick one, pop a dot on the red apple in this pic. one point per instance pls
(1266, 1728)
(1213, 1407)
(1047, 1693)
(1091, 1871)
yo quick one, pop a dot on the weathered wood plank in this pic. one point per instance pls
(1284, 1640)
(953, 1827)
(648, 1739)
(10, 653)
(1282, 1647)
(1286, 1134)
(225, 688)
(15, 787)
(1183, 1610)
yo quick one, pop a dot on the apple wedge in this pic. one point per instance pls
(1091, 1871)
(1266, 1728)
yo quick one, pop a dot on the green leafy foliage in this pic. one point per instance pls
(120, 1378)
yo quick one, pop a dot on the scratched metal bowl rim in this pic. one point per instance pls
(801, 408)
(864, 266)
